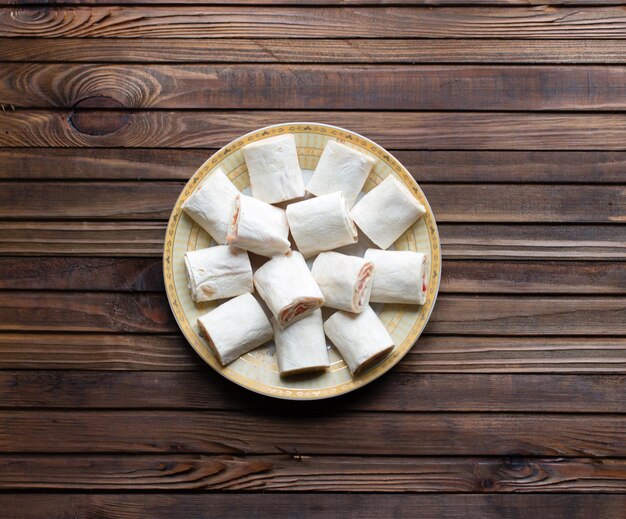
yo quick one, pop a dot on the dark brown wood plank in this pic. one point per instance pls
(145, 274)
(276, 506)
(565, 277)
(312, 474)
(474, 241)
(478, 315)
(289, 50)
(431, 354)
(83, 238)
(317, 2)
(85, 311)
(541, 22)
(311, 86)
(87, 351)
(450, 202)
(532, 241)
(426, 166)
(397, 392)
(399, 130)
(311, 433)
(67, 273)
(524, 315)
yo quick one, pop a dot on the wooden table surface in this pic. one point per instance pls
(512, 117)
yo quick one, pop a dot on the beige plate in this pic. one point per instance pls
(258, 369)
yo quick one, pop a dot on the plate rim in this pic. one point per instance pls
(305, 394)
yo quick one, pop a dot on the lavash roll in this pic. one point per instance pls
(274, 170)
(362, 339)
(258, 227)
(235, 327)
(321, 223)
(211, 204)
(345, 281)
(386, 212)
(286, 285)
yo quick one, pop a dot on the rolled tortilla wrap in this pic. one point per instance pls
(399, 276)
(301, 347)
(345, 281)
(386, 212)
(235, 327)
(362, 339)
(218, 272)
(258, 227)
(340, 169)
(211, 204)
(321, 223)
(274, 170)
(286, 285)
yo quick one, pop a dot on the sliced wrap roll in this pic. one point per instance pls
(258, 227)
(386, 212)
(340, 168)
(399, 276)
(286, 285)
(218, 272)
(274, 170)
(301, 346)
(321, 223)
(211, 204)
(235, 327)
(362, 339)
(345, 281)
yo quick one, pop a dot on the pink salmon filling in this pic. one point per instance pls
(233, 228)
(293, 311)
(364, 279)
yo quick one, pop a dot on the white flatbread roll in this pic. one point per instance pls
(286, 285)
(362, 339)
(345, 281)
(386, 212)
(399, 276)
(274, 170)
(211, 204)
(235, 327)
(218, 272)
(301, 346)
(340, 169)
(258, 227)
(321, 223)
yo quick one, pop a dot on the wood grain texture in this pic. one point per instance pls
(214, 432)
(275, 506)
(431, 354)
(524, 315)
(541, 22)
(459, 241)
(312, 474)
(289, 50)
(311, 87)
(470, 315)
(85, 312)
(67, 273)
(83, 238)
(145, 274)
(590, 242)
(450, 202)
(397, 130)
(382, 3)
(591, 167)
(398, 392)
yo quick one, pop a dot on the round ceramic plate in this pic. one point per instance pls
(258, 370)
